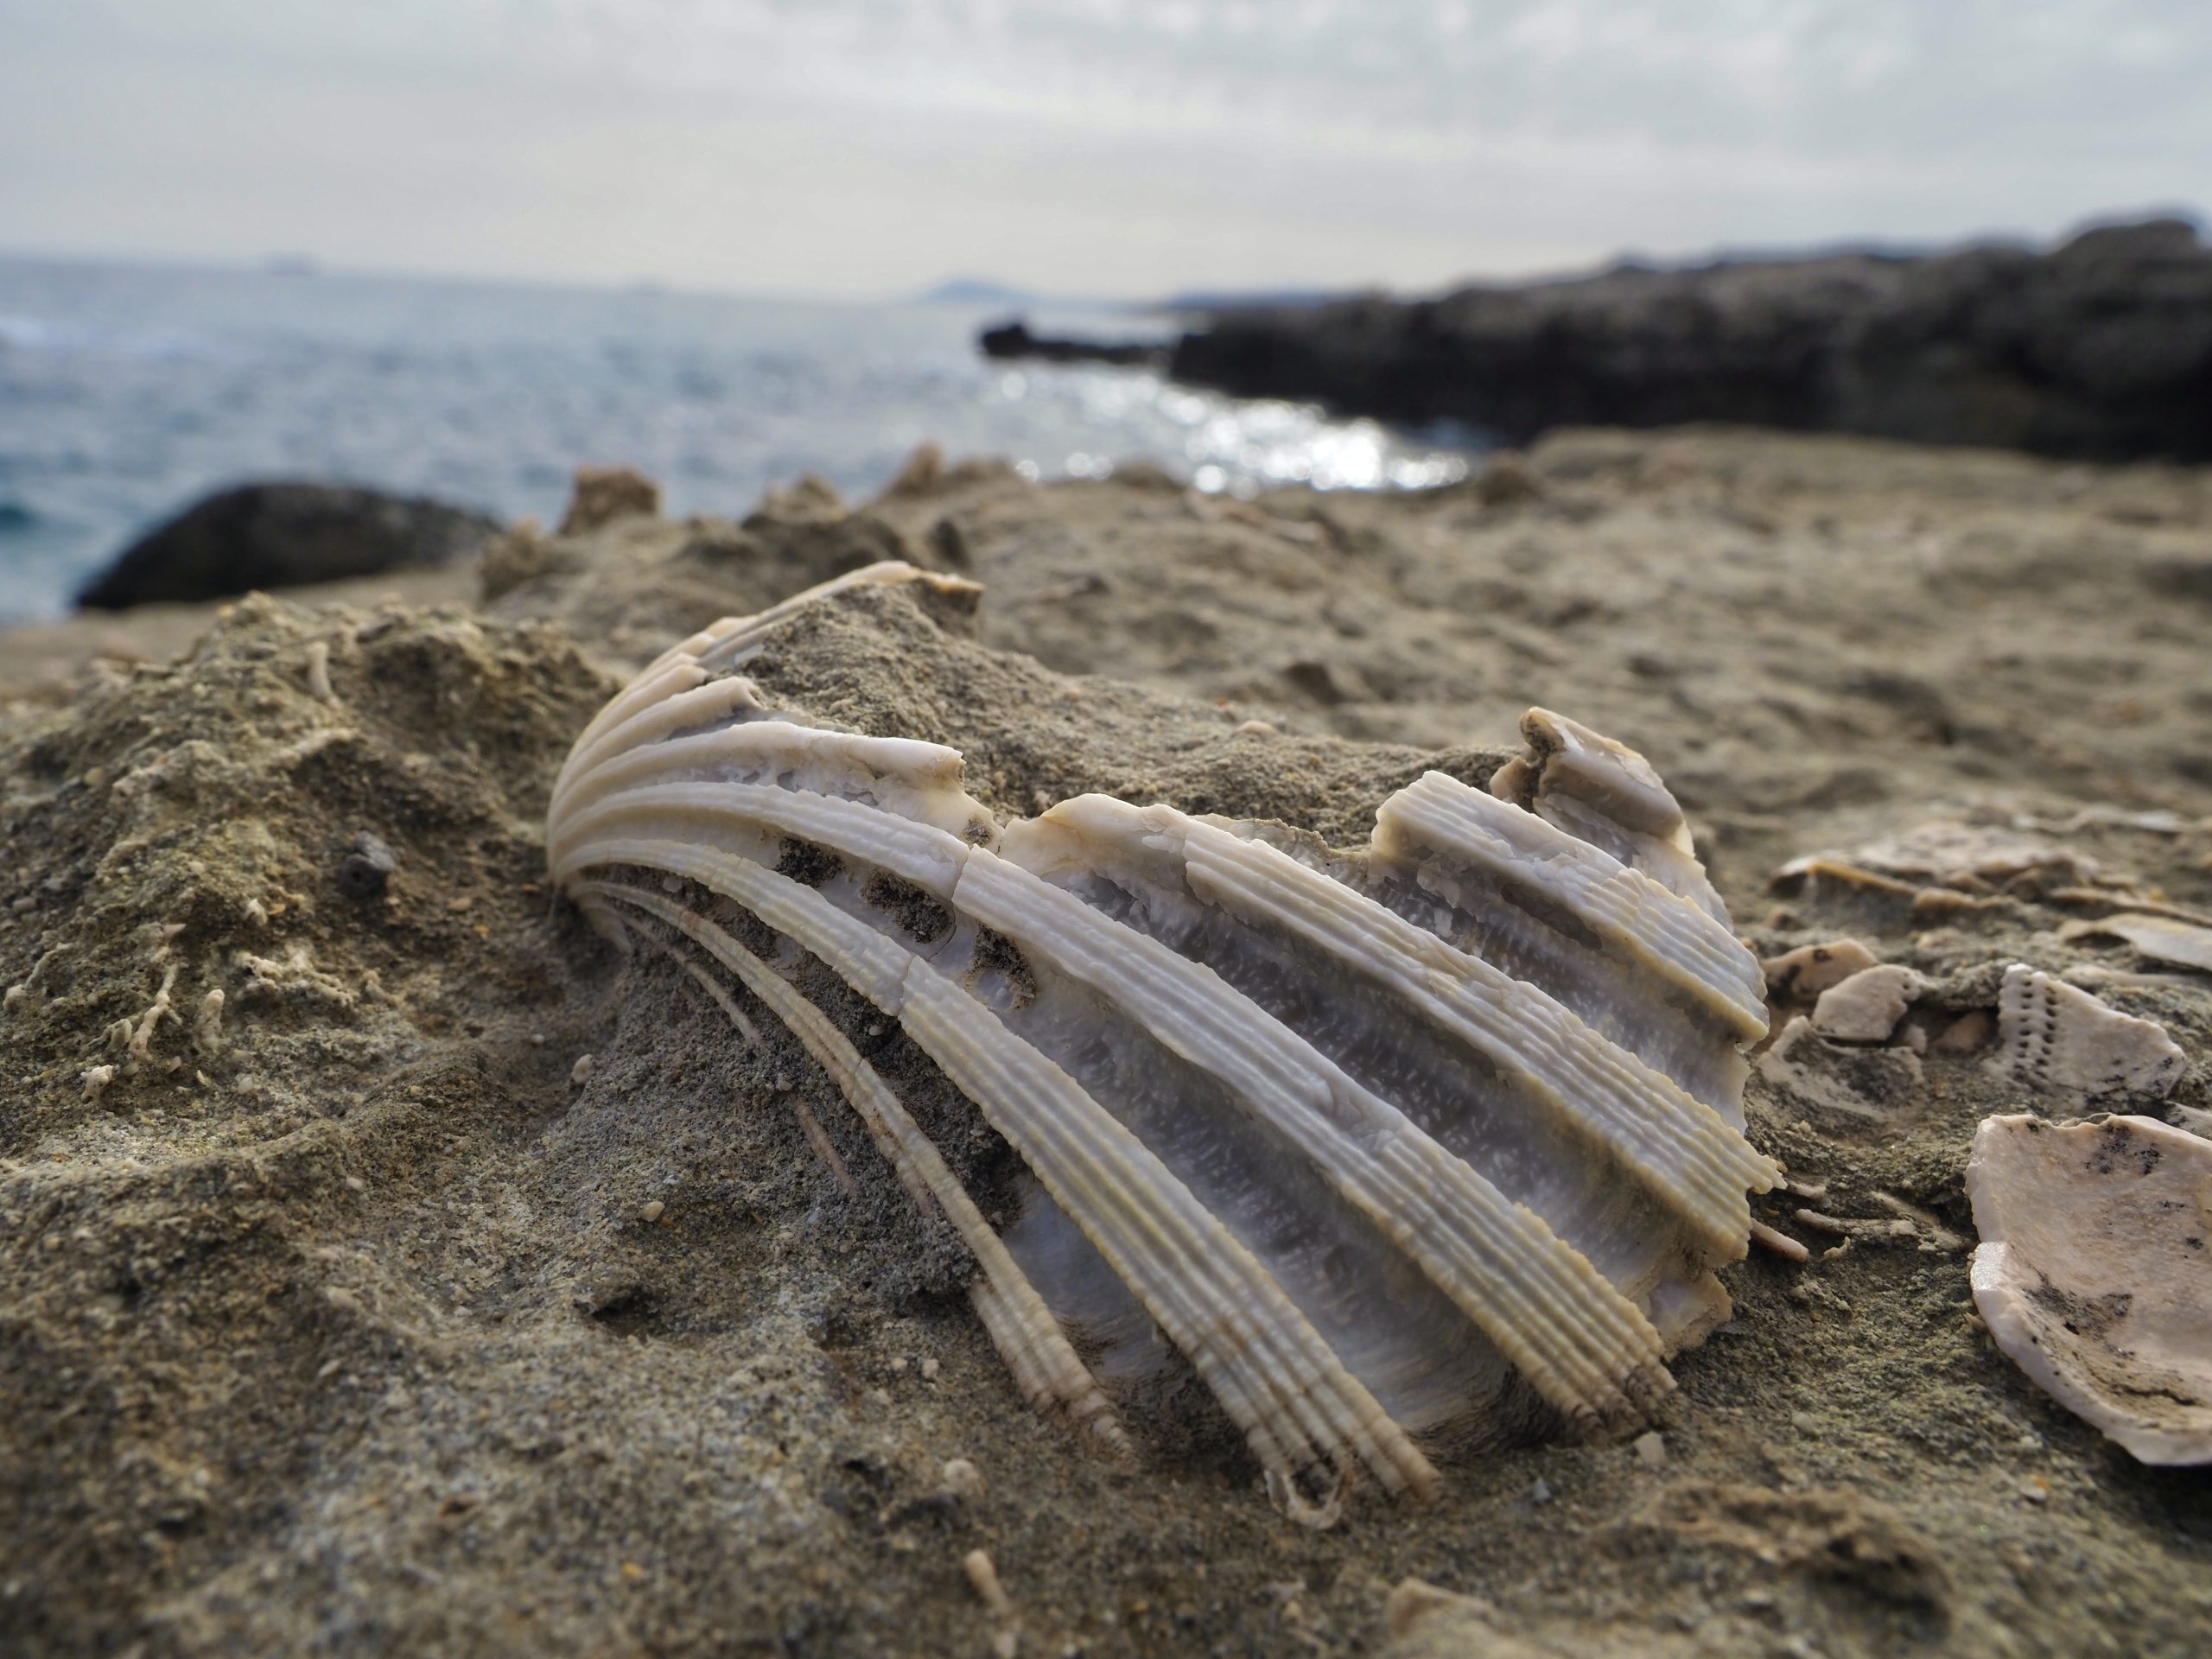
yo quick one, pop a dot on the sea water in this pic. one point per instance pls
(127, 391)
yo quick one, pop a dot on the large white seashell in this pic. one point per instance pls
(1379, 1140)
(2058, 1039)
(2095, 1272)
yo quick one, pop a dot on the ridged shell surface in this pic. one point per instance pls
(1390, 1144)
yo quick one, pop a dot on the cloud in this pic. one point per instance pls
(1138, 144)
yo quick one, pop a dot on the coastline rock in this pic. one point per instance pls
(2100, 348)
(1012, 340)
(281, 535)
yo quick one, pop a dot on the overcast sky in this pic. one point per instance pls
(1118, 147)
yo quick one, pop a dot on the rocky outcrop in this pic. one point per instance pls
(602, 494)
(281, 535)
(1013, 339)
(2098, 349)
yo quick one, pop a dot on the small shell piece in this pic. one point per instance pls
(2093, 1269)
(2161, 938)
(1866, 1007)
(2064, 1041)
(1951, 852)
(1809, 970)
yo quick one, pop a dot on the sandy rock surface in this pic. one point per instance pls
(364, 1319)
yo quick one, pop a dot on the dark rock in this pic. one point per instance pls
(2099, 349)
(1013, 339)
(949, 544)
(366, 869)
(281, 535)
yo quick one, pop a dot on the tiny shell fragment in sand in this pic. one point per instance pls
(1839, 1084)
(2095, 1254)
(961, 1478)
(983, 1578)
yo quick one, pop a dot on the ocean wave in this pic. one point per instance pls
(41, 334)
(22, 334)
(127, 393)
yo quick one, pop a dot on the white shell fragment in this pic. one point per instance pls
(1866, 1007)
(1951, 852)
(2093, 1268)
(2055, 1038)
(1383, 1143)
(1810, 969)
(2162, 938)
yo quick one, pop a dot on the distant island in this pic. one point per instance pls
(982, 291)
(976, 290)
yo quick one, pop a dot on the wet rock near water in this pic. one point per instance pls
(1013, 339)
(283, 534)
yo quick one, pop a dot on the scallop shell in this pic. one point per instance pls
(2092, 1272)
(1384, 1142)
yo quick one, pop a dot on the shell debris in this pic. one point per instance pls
(984, 1577)
(1387, 1142)
(1866, 1007)
(2162, 938)
(2092, 1272)
(1956, 853)
(1805, 973)
(2060, 1040)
